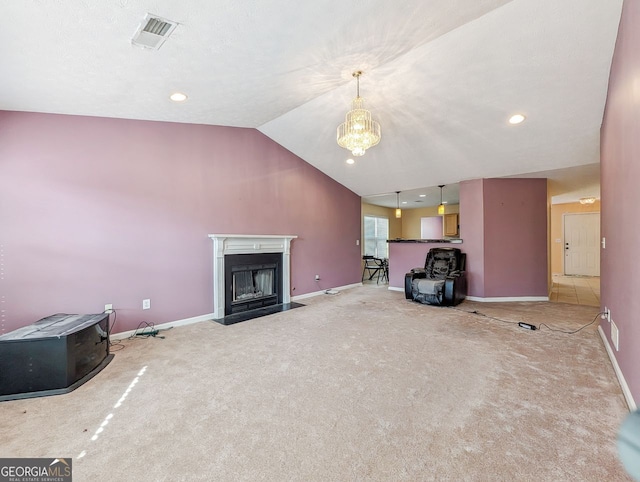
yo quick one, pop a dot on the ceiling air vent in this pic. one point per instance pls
(153, 31)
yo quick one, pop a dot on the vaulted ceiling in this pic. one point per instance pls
(442, 77)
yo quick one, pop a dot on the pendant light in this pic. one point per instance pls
(398, 210)
(441, 206)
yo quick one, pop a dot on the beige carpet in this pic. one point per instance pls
(363, 385)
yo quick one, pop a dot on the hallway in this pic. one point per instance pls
(576, 290)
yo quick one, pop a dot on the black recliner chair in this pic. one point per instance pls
(442, 281)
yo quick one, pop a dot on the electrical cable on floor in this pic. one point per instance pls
(117, 344)
(476, 312)
(528, 325)
(153, 332)
(115, 318)
(574, 331)
(114, 345)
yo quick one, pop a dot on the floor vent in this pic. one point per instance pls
(615, 336)
(153, 31)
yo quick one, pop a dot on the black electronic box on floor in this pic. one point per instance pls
(54, 355)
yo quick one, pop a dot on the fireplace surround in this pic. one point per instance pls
(226, 246)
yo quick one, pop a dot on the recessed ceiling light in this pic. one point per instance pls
(444, 202)
(516, 119)
(178, 97)
(404, 202)
(350, 161)
(423, 195)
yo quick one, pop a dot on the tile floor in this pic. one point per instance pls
(577, 290)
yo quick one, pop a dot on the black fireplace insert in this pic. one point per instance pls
(252, 281)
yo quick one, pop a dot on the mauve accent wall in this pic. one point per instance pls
(97, 211)
(515, 237)
(620, 205)
(503, 224)
(472, 234)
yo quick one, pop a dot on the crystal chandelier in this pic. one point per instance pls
(359, 131)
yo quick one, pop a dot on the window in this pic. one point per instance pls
(376, 233)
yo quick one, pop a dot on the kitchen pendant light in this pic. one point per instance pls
(441, 206)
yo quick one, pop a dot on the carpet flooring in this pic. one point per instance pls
(362, 385)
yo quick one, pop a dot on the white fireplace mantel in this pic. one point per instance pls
(224, 244)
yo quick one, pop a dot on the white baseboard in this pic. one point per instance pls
(322, 292)
(616, 368)
(507, 299)
(164, 326)
(196, 319)
(393, 288)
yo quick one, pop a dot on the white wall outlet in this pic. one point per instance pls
(108, 308)
(608, 314)
(146, 304)
(357, 242)
(615, 336)
(604, 242)
(317, 277)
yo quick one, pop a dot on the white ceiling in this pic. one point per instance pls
(441, 76)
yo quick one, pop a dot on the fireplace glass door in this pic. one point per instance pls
(251, 284)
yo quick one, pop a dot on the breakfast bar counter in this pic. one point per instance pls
(405, 254)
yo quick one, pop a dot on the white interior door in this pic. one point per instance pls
(582, 244)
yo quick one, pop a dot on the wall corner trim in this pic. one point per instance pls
(616, 368)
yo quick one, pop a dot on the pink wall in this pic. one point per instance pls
(99, 211)
(472, 233)
(515, 237)
(503, 224)
(620, 206)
